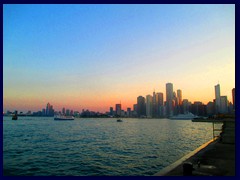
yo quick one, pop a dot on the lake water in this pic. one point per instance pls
(40, 146)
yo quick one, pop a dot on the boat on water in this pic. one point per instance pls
(188, 116)
(15, 117)
(63, 118)
(119, 120)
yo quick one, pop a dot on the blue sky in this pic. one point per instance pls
(84, 56)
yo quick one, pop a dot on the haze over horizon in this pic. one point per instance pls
(94, 56)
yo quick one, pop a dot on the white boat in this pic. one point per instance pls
(63, 117)
(188, 116)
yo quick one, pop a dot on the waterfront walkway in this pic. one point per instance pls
(215, 158)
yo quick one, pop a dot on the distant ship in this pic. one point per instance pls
(188, 116)
(63, 117)
(15, 117)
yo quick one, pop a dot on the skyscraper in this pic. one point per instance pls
(149, 106)
(154, 104)
(111, 111)
(169, 99)
(135, 107)
(223, 104)
(118, 109)
(129, 114)
(175, 104)
(141, 107)
(210, 108)
(185, 104)
(63, 111)
(217, 98)
(159, 100)
(179, 96)
(233, 97)
(48, 109)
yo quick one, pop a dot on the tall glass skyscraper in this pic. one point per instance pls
(118, 109)
(141, 106)
(149, 106)
(159, 100)
(169, 99)
(179, 96)
(217, 98)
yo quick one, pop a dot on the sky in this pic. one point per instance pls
(95, 56)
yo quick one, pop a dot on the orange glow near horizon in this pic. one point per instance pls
(81, 61)
(102, 102)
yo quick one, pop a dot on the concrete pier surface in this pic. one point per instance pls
(215, 158)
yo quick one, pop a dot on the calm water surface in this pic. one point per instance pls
(89, 147)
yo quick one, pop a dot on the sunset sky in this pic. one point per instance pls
(94, 56)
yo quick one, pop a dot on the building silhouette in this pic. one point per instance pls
(154, 105)
(141, 106)
(118, 109)
(210, 109)
(223, 105)
(179, 96)
(111, 111)
(49, 110)
(217, 99)
(149, 106)
(233, 98)
(169, 99)
(160, 105)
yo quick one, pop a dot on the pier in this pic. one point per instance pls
(214, 158)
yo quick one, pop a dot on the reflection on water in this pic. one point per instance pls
(42, 146)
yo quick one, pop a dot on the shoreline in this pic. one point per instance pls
(214, 158)
(179, 162)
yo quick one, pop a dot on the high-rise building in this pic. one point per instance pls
(185, 105)
(175, 104)
(141, 106)
(48, 109)
(169, 99)
(223, 104)
(118, 109)
(123, 114)
(149, 106)
(198, 108)
(129, 114)
(210, 108)
(179, 96)
(135, 107)
(233, 97)
(154, 104)
(63, 111)
(159, 100)
(217, 98)
(111, 111)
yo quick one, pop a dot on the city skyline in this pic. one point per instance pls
(142, 103)
(94, 56)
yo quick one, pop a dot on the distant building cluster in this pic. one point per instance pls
(153, 106)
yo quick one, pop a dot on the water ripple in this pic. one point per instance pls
(97, 147)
